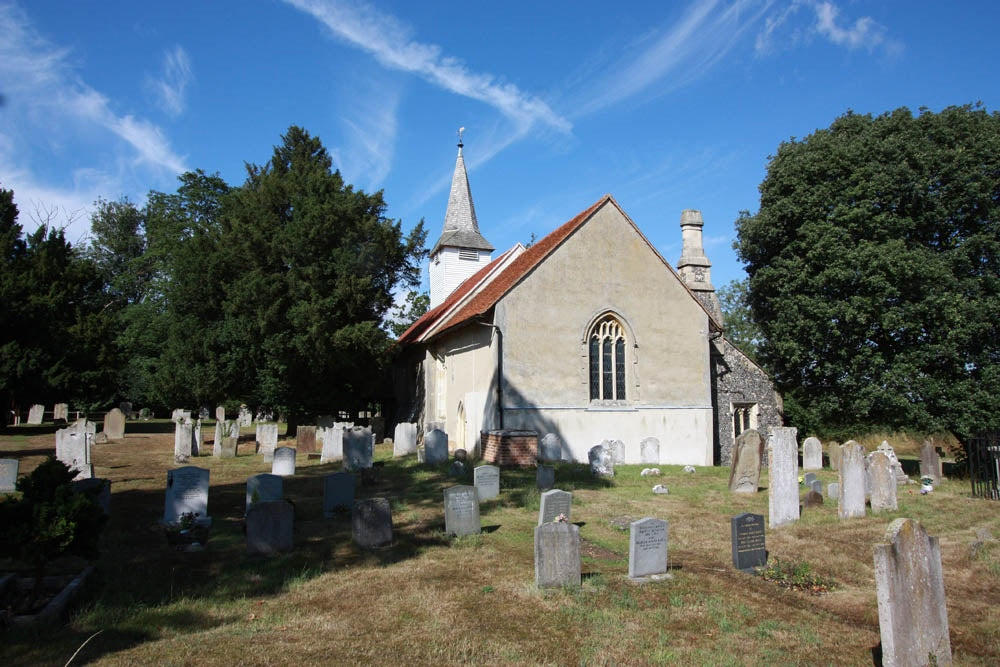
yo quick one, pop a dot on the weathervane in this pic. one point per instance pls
(460, 131)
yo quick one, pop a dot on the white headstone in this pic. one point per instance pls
(333, 443)
(649, 450)
(487, 481)
(601, 464)
(647, 548)
(35, 414)
(812, 454)
(114, 424)
(187, 492)
(8, 475)
(461, 511)
(783, 478)
(73, 447)
(267, 440)
(883, 482)
(404, 440)
(183, 436)
(359, 448)
(554, 503)
(851, 501)
(284, 461)
(617, 448)
(435, 447)
(557, 555)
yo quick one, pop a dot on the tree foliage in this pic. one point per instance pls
(741, 330)
(874, 271)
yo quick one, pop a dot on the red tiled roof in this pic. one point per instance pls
(479, 302)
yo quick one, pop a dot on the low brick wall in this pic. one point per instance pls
(510, 448)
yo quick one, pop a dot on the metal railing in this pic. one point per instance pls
(984, 465)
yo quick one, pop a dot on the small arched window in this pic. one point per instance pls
(607, 360)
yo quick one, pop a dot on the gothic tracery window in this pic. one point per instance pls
(607, 360)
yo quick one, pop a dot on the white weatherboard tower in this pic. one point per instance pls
(461, 250)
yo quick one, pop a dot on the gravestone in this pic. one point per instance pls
(833, 490)
(748, 455)
(457, 469)
(783, 478)
(404, 439)
(229, 448)
(545, 477)
(461, 511)
(333, 444)
(808, 479)
(8, 475)
(359, 448)
(647, 548)
(245, 417)
(305, 439)
(99, 487)
(812, 454)
(269, 527)
(338, 493)
(60, 411)
(220, 414)
(284, 461)
(550, 448)
(817, 486)
(601, 464)
(930, 462)
(487, 481)
(371, 523)
(35, 414)
(554, 503)
(887, 449)
(749, 549)
(73, 447)
(196, 438)
(557, 555)
(187, 492)
(909, 586)
(617, 448)
(264, 488)
(883, 482)
(851, 501)
(267, 440)
(649, 450)
(220, 433)
(435, 447)
(183, 435)
(813, 498)
(835, 453)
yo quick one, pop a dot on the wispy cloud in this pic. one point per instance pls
(392, 45)
(368, 148)
(865, 34)
(46, 98)
(826, 22)
(679, 53)
(171, 86)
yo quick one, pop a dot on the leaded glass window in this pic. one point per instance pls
(607, 360)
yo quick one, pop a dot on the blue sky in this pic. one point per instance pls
(664, 105)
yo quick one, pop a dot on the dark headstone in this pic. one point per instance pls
(813, 499)
(338, 493)
(747, 532)
(269, 527)
(545, 477)
(371, 523)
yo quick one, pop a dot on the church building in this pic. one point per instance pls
(588, 334)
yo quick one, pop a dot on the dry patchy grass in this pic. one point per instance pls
(433, 599)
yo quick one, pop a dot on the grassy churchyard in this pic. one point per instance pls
(434, 599)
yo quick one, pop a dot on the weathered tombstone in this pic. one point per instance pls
(267, 440)
(649, 450)
(8, 475)
(264, 488)
(269, 527)
(35, 414)
(817, 486)
(833, 490)
(187, 493)
(435, 447)
(333, 444)
(851, 501)
(550, 448)
(883, 482)
(305, 439)
(554, 503)
(887, 449)
(930, 462)
(359, 448)
(835, 453)
(749, 550)
(220, 433)
(229, 448)
(808, 479)
(73, 445)
(99, 487)
(196, 438)
(647, 548)
(60, 411)
(220, 414)
(371, 523)
(912, 610)
(557, 555)
(813, 498)
(812, 454)
(487, 481)
(245, 417)
(783, 478)
(748, 454)
(338, 493)
(601, 464)
(404, 439)
(461, 511)
(183, 435)
(457, 469)
(545, 477)
(617, 448)
(284, 461)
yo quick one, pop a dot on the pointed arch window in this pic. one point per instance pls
(607, 360)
